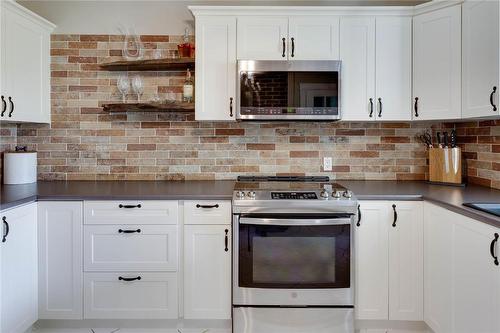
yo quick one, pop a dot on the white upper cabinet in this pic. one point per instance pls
(313, 38)
(357, 52)
(25, 65)
(480, 37)
(262, 37)
(437, 66)
(19, 277)
(215, 68)
(60, 254)
(393, 68)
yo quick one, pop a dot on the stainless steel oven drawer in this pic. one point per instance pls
(292, 320)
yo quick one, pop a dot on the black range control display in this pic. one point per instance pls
(293, 195)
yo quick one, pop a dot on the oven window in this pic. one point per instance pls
(294, 257)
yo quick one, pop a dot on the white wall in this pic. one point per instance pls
(150, 17)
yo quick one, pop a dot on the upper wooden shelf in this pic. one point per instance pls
(149, 65)
(149, 107)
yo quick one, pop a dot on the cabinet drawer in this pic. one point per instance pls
(108, 296)
(131, 212)
(114, 248)
(207, 212)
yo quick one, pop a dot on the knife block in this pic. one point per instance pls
(445, 165)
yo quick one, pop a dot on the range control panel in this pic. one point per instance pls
(293, 195)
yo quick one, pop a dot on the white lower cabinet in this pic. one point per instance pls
(389, 261)
(118, 248)
(207, 274)
(462, 281)
(19, 274)
(131, 295)
(60, 256)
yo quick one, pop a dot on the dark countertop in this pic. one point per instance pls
(446, 196)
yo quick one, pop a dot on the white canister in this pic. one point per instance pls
(19, 167)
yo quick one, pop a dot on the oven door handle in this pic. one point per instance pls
(295, 222)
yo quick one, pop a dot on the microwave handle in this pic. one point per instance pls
(295, 222)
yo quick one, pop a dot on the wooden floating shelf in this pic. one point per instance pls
(149, 65)
(149, 107)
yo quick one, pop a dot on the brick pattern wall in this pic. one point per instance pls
(480, 143)
(85, 143)
(8, 141)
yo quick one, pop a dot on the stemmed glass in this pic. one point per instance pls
(123, 85)
(138, 86)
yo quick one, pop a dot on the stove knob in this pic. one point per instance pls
(348, 194)
(251, 194)
(337, 194)
(240, 194)
(324, 194)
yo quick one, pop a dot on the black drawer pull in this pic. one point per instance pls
(4, 106)
(7, 229)
(380, 107)
(491, 99)
(121, 231)
(129, 279)
(11, 106)
(359, 216)
(226, 240)
(293, 47)
(395, 216)
(230, 107)
(129, 206)
(492, 249)
(416, 106)
(284, 47)
(371, 108)
(207, 206)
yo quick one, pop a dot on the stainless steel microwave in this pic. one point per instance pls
(288, 90)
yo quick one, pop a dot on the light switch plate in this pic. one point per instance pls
(327, 164)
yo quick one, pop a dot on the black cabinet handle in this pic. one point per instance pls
(359, 217)
(380, 107)
(491, 99)
(230, 107)
(226, 240)
(11, 106)
(492, 249)
(416, 106)
(293, 47)
(283, 40)
(6, 232)
(129, 279)
(4, 106)
(371, 107)
(207, 206)
(121, 231)
(129, 206)
(395, 216)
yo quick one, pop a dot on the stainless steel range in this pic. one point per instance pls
(293, 251)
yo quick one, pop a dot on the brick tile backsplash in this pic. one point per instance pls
(85, 143)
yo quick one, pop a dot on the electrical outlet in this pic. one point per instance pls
(327, 164)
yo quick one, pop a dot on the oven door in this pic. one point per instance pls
(304, 260)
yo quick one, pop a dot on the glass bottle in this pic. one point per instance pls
(188, 88)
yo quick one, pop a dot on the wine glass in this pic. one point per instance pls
(123, 85)
(138, 86)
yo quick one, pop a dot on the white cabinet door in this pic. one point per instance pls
(480, 37)
(60, 255)
(437, 67)
(313, 38)
(406, 261)
(475, 277)
(357, 52)
(115, 248)
(25, 73)
(19, 279)
(131, 295)
(263, 38)
(371, 260)
(438, 229)
(393, 68)
(207, 264)
(215, 68)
